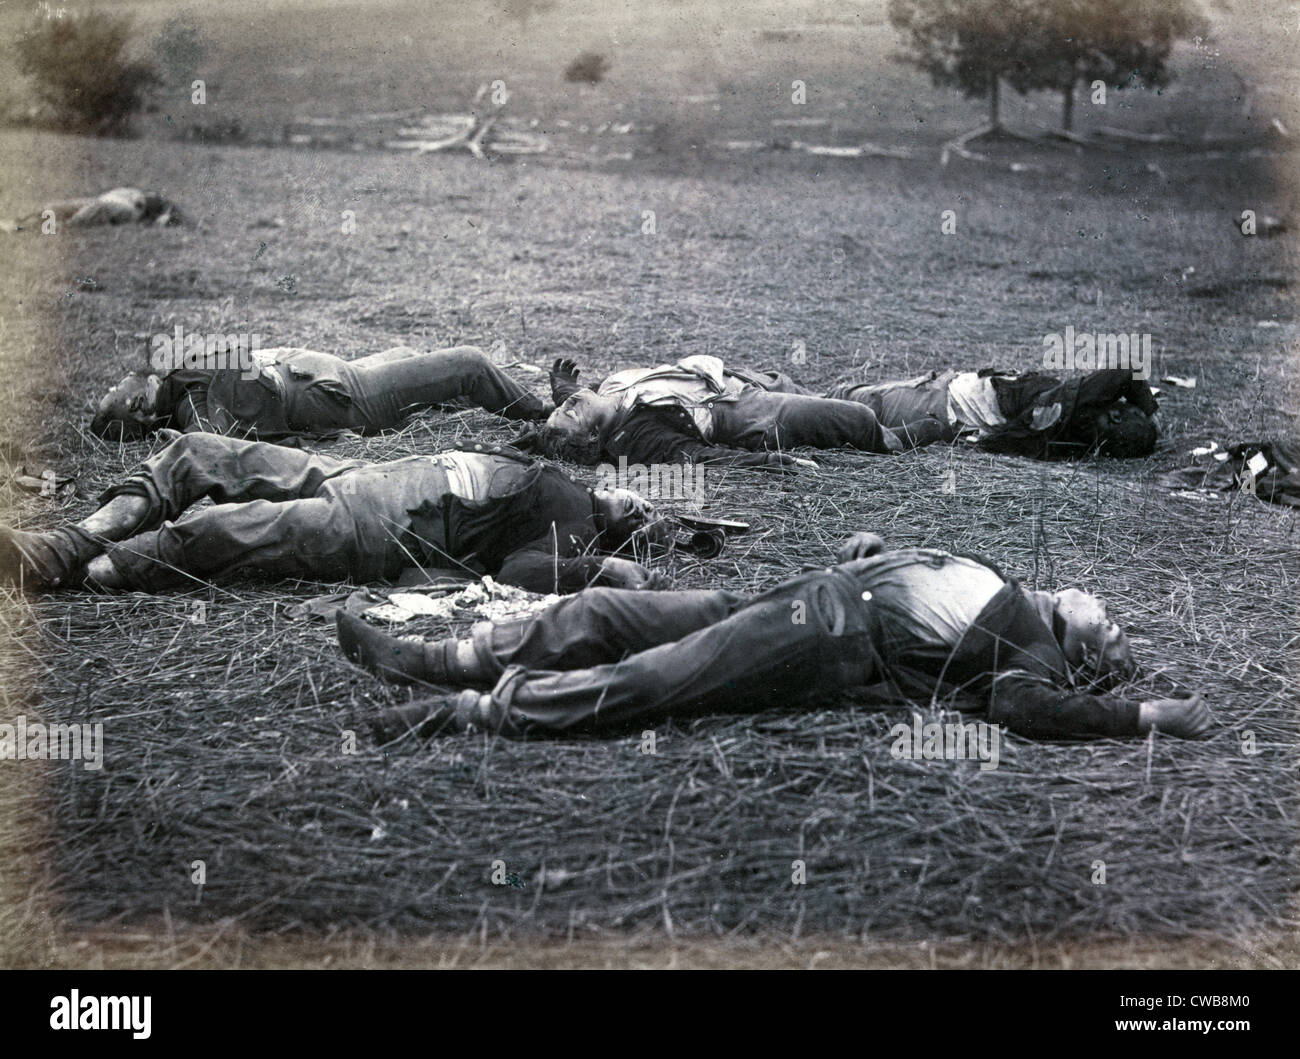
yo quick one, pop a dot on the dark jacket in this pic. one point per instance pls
(224, 402)
(669, 435)
(269, 406)
(1080, 399)
(542, 533)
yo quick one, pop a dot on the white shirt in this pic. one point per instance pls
(931, 596)
(973, 402)
(469, 474)
(693, 383)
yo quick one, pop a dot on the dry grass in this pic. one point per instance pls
(224, 740)
(225, 744)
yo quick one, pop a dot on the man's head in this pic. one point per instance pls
(129, 409)
(1124, 431)
(626, 515)
(576, 430)
(1090, 641)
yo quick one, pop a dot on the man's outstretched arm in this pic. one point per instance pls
(1033, 706)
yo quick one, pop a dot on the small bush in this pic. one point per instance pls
(589, 67)
(80, 69)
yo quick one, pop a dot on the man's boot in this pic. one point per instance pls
(402, 659)
(47, 560)
(441, 715)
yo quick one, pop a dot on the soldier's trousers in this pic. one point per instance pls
(783, 417)
(277, 511)
(614, 657)
(378, 392)
(896, 403)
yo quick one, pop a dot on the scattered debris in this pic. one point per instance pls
(863, 150)
(485, 600)
(1268, 470)
(1113, 133)
(588, 68)
(44, 480)
(470, 132)
(741, 145)
(960, 148)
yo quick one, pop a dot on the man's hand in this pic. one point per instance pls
(564, 379)
(1186, 718)
(860, 546)
(784, 463)
(623, 573)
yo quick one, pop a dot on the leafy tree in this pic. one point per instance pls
(974, 45)
(1117, 42)
(79, 65)
(966, 44)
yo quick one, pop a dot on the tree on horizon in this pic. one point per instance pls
(1035, 45)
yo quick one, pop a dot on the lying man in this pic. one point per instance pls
(700, 411)
(908, 623)
(295, 392)
(285, 513)
(1107, 412)
(119, 206)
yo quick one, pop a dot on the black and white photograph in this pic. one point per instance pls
(674, 484)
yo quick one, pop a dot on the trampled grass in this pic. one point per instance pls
(224, 739)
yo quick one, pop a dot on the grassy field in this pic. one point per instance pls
(223, 740)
